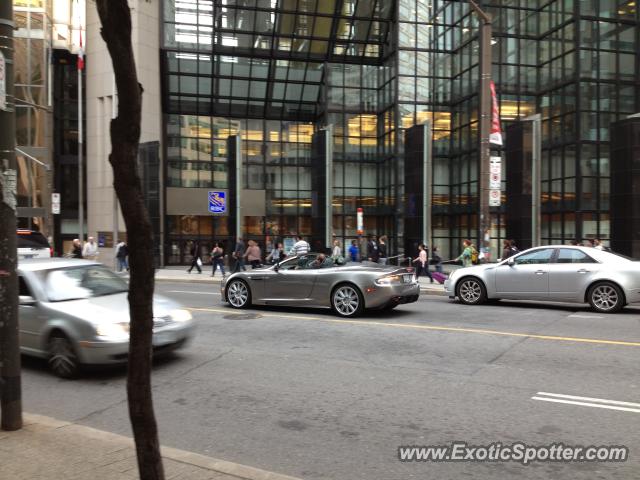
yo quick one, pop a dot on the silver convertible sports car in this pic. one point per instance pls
(605, 280)
(312, 280)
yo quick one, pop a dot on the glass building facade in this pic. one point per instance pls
(278, 71)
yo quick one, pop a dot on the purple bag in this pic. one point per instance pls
(439, 277)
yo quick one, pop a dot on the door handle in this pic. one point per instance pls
(540, 272)
(582, 270)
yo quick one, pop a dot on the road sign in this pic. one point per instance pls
(55, 203)
(494, 197)
(218, 202)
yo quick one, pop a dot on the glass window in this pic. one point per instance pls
(572, 255)
(536, 257)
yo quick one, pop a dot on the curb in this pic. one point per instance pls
(190, 458)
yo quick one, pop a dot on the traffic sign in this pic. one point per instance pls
(218, 202)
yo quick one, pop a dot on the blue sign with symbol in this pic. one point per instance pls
(218, 202)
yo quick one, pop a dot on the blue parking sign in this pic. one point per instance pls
(218, 202)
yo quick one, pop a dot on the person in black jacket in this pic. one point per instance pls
(373, 252)
(382, 250)
(76, 252)
(195, 256)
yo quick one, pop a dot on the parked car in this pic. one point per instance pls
(607, 281)
(32, 244)
(74, 312)
(307, 280)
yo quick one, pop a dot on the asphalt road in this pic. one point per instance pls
(303, 393)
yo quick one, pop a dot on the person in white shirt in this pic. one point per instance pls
(337, 251)
(301, 247)
(90, 250)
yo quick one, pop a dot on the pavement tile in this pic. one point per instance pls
(46, 449)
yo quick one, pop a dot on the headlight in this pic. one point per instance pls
(389, 280)
(113, 330)
(180, 315)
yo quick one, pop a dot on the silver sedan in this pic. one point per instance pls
(607, 281)
(311, 280)
(75, 312)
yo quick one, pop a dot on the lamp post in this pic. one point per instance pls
(484, 224)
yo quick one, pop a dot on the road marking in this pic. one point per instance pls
(435, 328)
(588, 402)
(590, 399)
(575, 315)
(195, 293)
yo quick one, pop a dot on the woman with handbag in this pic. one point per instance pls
(217, 257)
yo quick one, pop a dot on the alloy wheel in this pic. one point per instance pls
(62, 357)
(346, 301)
(470, 291)
(238, 294)
(605, 297)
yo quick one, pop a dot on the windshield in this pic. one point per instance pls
(81, 282)
(32, 240)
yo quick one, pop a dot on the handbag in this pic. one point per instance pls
(199, 262)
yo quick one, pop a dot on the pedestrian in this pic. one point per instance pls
(574, 242)
(301, 247)
(122, 252)
(422, 262)
(277, 254)
(238, 253)
(76, 251)
(217, 259)
(436, 259)
(196, 259)
(373, 253)
(336, 253)
(597, 243)
(506, 249)
(253, 254)
(90, 249)
(382, 250)
(514, 247)
(354, 251)
(587, 243)
(467, 254)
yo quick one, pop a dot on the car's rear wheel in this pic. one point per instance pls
(471, 291)
(606, 297)
(63, 360)
(238, 294)
(347, 301)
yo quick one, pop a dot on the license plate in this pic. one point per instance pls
(163, 338)
(407, 278)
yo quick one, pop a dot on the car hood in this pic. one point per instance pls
(108, 308)
(475, 269)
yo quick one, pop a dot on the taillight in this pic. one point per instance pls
(50, 252)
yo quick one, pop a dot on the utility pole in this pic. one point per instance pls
(10, 382)
(484, 223)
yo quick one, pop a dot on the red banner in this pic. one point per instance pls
(496, 134)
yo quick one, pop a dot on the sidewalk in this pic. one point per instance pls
(179, 274)
(49, 449)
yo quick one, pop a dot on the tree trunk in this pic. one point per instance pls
(115, 18)
(10, 382)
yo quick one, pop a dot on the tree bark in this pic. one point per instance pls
(10, 381)
(115, 18)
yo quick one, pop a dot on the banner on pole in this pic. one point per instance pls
(496, 134)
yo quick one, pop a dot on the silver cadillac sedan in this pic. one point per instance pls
(312, 280)
(607, 281)
(75, 312)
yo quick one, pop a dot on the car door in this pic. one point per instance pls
(527, 277)
(29, 319)
(292, 282)
(570, 273)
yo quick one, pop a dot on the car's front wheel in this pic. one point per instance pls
(347, 301)
(606, 297)
(471, 291)
(63, 360)
(238, 294)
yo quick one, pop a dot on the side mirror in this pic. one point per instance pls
(27, 301)
(511, 262)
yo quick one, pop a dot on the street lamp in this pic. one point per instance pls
(484, 225)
